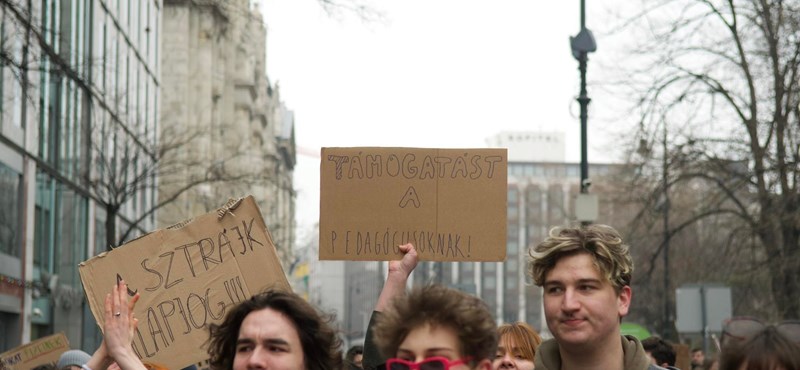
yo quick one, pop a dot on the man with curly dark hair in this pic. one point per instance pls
(275, 330)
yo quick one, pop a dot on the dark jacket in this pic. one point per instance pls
(373, 360)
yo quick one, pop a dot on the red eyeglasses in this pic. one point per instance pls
(744, 328)
(430, 363)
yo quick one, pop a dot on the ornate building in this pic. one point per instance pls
(220, 106)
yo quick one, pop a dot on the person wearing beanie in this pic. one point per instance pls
(72, 360)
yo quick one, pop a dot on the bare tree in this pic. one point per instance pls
(719, 129)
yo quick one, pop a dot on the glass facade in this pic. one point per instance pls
(90, 102)
(10, 211)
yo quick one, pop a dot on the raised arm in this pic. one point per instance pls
(119, 328)
(395, 286)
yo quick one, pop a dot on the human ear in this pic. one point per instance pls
(624, 300)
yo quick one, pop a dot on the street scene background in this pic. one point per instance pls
(122, 117)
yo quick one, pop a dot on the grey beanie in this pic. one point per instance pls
(73, 357)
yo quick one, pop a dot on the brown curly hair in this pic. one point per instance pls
(438, 305)
(611, 256)
(321, 346)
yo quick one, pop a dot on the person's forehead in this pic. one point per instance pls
(267, 323)
(577, 266)
(428, 337)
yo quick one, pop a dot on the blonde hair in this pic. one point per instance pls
(604, 244)
(523, 336)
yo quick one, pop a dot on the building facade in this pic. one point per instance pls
(79, 113)
(236, 135)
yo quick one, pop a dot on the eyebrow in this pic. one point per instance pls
(427, 351)
(277, 341)
(579, 281)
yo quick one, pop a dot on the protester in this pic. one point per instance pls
(517, 346)
(750, 344)
(661, 352)
(432, 327)
(118, 329)
(585, 272)
(436, 324)
(698, 358)
(354, 357)
(72, 360)
(275, 330)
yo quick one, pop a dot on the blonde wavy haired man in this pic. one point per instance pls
(585, 272)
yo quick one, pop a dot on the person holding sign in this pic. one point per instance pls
(434, 327)
(274, 330)
(118, 330)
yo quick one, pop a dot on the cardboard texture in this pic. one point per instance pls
(683, 359)
(449, 203)
(189, 276)
(42, 351)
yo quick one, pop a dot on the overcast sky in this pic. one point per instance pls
(435, 73)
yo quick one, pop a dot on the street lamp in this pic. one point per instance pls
(582, 45)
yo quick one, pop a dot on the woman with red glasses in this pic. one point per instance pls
(432, 328)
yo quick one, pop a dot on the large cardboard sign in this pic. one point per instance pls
(450, 203)
(42, 351)
(189, 276)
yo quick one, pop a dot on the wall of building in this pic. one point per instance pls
(79, 88)
(218, 98)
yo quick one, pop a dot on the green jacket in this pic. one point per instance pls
(549, 358)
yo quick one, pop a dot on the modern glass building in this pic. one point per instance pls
(78, 118)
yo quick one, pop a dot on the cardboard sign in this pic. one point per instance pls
(449, 203)
(39, 352)
(683, 359)
(189, 276)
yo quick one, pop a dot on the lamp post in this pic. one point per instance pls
(582, 45)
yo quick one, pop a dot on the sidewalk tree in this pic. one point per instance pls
(719, 96)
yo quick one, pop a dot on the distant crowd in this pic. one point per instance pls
(585, 274)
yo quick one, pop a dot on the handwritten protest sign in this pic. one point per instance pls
(450, 203)
(42, 351)
(189, 276)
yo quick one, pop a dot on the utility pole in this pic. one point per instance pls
(583, 44)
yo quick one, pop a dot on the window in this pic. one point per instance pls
(10, 211)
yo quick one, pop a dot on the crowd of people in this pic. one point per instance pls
(585, 274)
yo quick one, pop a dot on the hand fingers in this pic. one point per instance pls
(107, 307)
(123, 307)
(133, 301)
(115, 299)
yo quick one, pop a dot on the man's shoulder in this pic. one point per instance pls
(656, 367)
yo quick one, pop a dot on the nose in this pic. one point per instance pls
(570, 301)
(257, 359)
(507, 362)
